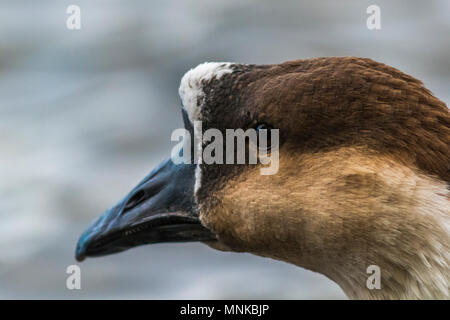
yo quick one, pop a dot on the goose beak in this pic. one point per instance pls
(160, 209)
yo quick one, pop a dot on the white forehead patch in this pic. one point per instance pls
(191, 88)
(191, 92)
(198, 178)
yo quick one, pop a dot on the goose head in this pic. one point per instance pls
(362, 177)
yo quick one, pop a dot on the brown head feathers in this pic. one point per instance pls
(363, 175)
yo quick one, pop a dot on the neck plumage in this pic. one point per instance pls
(420, 275)
(375, 213)
(408, 238)
(345, 211)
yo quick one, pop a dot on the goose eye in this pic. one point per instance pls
(264, 126)
(260, 126)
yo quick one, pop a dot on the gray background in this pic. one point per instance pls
(84, 115)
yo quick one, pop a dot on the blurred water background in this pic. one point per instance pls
(84, 115)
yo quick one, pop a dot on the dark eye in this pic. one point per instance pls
(264, 126)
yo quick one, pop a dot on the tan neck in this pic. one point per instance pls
(404, 274)
(337, 213)
(390, 216)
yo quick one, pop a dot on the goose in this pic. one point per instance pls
(363, 178)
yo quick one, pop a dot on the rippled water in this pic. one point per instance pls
(84, 115)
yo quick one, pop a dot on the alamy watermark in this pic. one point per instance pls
(73, 21)
(374, 19)
(210, 147)
(374, 280)
(73, 281)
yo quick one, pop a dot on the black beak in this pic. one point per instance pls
(160, 209)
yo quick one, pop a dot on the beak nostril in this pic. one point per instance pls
(137, 198)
